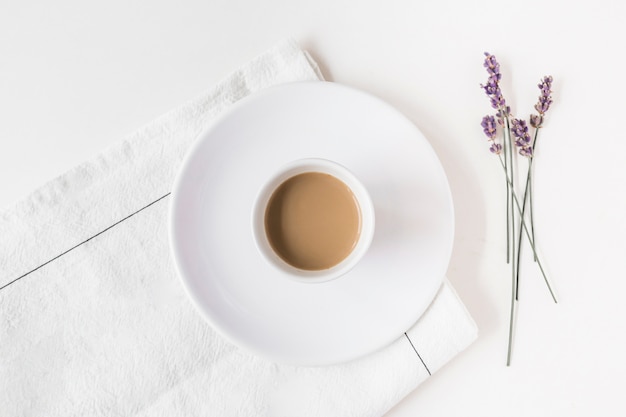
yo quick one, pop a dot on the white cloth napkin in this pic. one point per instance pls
(93, 319)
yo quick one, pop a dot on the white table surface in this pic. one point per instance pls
(76, 76)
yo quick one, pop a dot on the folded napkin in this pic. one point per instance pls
(94, 321)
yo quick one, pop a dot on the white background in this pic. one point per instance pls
(76, 76)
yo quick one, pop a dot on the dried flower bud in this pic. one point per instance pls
(545, 99)
(520, 132)
(489, 127)
(496, 148)
(492, 66)
(536, 120)
(526, 151)
(492, 88)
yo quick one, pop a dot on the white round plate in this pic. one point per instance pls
(238, 292)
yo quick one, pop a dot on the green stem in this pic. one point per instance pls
(508, 196)
(532, 245)
(511, 232)
(530, 202)
(511, 171)
(530, 190)
(512, 316)
(519, 242)
(528, 195)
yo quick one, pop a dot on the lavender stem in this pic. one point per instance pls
(532, 245)
(519, 242)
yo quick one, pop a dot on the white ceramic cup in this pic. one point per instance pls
(365, 205)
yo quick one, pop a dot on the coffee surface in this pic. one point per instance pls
(313, 221)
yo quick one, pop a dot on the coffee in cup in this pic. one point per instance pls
(314, 220)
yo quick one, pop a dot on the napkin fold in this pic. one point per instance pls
(94, 321)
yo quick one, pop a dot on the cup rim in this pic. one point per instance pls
(367, 219)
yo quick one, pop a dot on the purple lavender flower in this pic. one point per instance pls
(492, 88)
(520, 131)
(536, 120)
(492, 65)
(526, 151)
(522, 137)
(545, 99)
(496, 148)
(489, 127)
(497, 100)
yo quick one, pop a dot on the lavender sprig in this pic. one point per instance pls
(518, 129)
(545, 99)
(494, 93)
(536, 121)
(522, 137)
(492, 88)
(490, 130)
